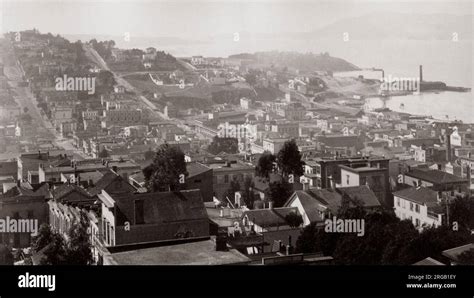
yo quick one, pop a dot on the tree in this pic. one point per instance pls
(265, 165)
(248, 194)
(104, 153)
(279, 192)
(251, 79)
(227, 145)
(351, 207)
(79, 246)
(466, 258)
(44, 237)
(55, 251)
(6, 256)
(233, 188)
(294, 219)
(150, 154)
(314, 239)
(462, 212)
(167, 170)
(289, 159)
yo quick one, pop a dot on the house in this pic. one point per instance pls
(362, 193)
(435, 179)
(223, 172)
(197, 60)
(200, 177)
(24, 203)
(421, 205)
(31, 161)
(453, 253)
(270, 227)
(271, 219)
(63, 213)
(112, 183)
(129, 219)
(273, 145)
(376, 178)
(326, 172)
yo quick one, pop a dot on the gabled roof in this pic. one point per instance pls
(328, 197)
(420, 195)
(363, 193)
(428, 261)
(64, 190)
(453, 253)
(195, 168)
(434, 176)
(270, 217)
(106, 181)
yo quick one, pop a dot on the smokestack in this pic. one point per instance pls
(421, 73)
(448, 145)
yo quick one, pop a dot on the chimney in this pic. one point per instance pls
(421, 73)
(448, 146)
(221, 243)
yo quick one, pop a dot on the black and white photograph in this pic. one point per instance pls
(244, 135)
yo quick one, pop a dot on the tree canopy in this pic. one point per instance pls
(265, 165)
(167, 170)
(289, 159)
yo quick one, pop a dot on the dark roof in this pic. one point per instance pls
(434, 176)
(312, 200)
(61, 192)
(19, 191)
(340, 141)
(309, 204)
(106, 181)
(428, 261)
(270, 217)
(195, 168)
(420, 195)
(164, 207)
(361, 192)
(453, 253)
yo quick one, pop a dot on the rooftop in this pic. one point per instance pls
(421, 195)
(191, 253)
(434, 176)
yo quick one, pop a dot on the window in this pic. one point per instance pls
(398, 202)
(347, 179)
(226, 178)
(417, 222)
(417, 208)
(411, 206)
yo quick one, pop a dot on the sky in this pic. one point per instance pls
(200, 18)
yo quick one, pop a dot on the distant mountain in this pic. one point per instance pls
(398, 26)
(301, 61)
